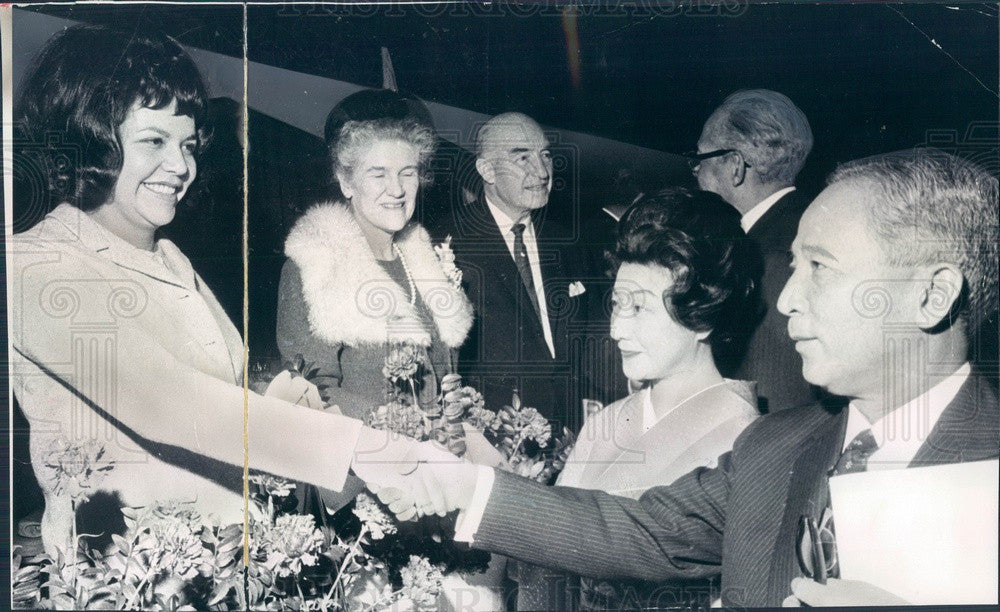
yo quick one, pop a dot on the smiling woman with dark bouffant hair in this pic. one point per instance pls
(74, 95)
(121, 353)
(683, 275)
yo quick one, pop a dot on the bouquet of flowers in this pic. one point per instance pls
(519, 433)
(172, 558)
(439, 419)
(524, 439)
(515, 438)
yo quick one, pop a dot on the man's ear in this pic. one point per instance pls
(940, 291)
(485, 169)
(739, 170)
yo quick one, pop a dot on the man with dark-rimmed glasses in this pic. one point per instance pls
(750, 151)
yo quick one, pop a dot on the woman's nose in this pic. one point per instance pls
(177, 161)
(618, 326)
(394, 187)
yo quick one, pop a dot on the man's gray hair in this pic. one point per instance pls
(767, 128)
(931, 206)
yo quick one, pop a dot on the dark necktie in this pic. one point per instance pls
(521, 261)
(855, 456)
(853, 459)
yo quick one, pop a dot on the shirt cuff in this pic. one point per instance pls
(468, 520)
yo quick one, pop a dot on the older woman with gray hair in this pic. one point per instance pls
(361, 279)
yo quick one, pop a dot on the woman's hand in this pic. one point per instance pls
(478, 449)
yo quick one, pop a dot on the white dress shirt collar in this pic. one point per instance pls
(753, 215)
(504, 222)
(902, 432)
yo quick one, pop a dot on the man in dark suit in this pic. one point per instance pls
(516, 274)
(750, 151)
(895, 266)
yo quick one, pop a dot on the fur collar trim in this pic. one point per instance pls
(350, 297)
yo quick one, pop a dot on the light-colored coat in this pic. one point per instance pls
(111, 345)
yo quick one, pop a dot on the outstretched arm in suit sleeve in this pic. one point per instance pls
(671, 532)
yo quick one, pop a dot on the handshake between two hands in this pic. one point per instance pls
(413, 478)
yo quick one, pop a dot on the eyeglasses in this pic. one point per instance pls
(817, 550)
(695, 158)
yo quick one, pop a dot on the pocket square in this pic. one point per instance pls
(576, 288)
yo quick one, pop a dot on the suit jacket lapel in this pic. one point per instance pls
(508, 272)
(807, 495)
(968, 430)
(555, 284)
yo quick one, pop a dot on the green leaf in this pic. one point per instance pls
(222, 589)
(56, 586)
(62, 601)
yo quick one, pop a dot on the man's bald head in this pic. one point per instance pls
(500, 131)
(514, 161)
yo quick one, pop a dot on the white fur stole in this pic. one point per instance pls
(353, 301)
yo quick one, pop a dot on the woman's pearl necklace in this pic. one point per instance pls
(409, 276)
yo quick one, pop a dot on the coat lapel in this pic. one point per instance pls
(93, 236)
(807, 495)
(486, 233)
(208, 340)
(968, 430)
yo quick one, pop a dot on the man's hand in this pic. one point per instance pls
(839, 593)
(395, 466)
(438, 484)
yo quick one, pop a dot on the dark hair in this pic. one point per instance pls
(697, 236)
(80, 90)
(371, 105)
